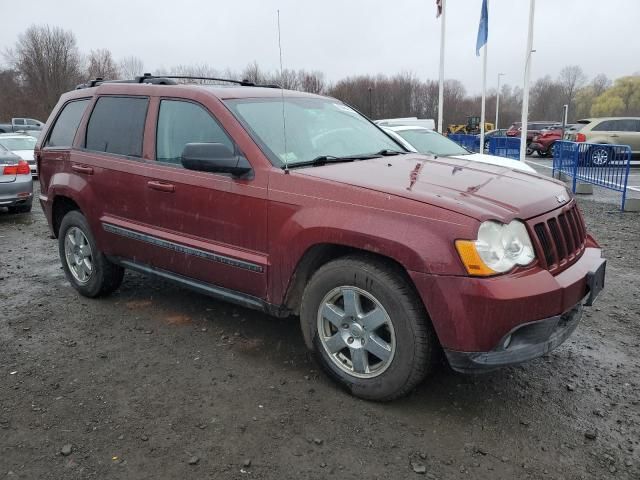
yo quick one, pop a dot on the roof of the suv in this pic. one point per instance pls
(221, 91)
(599, 119)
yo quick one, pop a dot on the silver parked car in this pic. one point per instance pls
(16, 183)
(22, 144)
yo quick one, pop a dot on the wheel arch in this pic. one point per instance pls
(62, 205)
(320, 254)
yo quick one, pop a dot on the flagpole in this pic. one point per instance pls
(525, 92)
(484, 93)
(441, 85)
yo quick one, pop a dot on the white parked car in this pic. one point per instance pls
(424, 140)
(403, 122)
(22, 144)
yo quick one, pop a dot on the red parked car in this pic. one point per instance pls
(295, 204)
(533, 129)
(543, 142)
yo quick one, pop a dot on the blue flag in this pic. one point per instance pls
(483, 28)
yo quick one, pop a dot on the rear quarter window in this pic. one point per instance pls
(116, 125)
(67, 123)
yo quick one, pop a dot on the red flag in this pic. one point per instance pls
(439, 8)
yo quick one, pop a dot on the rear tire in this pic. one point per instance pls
(599, 156)
(378, 347)
(86, 267)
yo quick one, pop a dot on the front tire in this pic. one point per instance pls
(367, 328)
(86, 267)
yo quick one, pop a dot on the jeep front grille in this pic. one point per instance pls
(559, 238)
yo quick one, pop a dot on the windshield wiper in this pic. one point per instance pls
(321, 160)
(325, 159)
(389, 153)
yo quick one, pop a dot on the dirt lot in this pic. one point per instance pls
(157, 382)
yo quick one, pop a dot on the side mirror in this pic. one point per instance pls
(214, 157)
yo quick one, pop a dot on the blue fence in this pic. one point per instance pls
(470, 142)
(508, 147)
(505, 147)
(606, 166)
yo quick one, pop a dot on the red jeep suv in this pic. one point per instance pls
(295, 204)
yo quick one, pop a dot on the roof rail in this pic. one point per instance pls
(170, 80)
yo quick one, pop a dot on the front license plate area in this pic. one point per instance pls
(595, 281)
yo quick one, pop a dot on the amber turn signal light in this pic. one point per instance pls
(471, 260)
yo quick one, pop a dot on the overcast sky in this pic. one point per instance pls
(349, 37)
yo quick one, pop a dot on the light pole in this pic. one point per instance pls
(498, 101)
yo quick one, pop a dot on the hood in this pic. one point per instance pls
(26, 155)
(481, 191)
(494, 160)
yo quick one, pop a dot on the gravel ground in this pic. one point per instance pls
(158, 382)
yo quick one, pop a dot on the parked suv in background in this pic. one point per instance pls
(607, 131)
(387, 256)
(533, 129)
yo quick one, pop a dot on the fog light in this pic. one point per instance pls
(507, 342)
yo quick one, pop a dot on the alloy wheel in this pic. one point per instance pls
(599, 157)
(356, 332)
(78, 255)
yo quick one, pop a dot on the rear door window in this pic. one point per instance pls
(117, 126)
(606, 126)
(67, 124)
(627, 125)
(181, 122)
(18, 121)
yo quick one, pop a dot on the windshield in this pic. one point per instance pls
(315, 127)
(22, 143)
(428, 141)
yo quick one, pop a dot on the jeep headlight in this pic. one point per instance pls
(498, 248)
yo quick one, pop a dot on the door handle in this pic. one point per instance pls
(613, 135)
(82, 169)
(161, 186)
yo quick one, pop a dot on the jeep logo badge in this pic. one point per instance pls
(561, 198)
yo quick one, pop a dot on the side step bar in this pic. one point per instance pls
(217, 292)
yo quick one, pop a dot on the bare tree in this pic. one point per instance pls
(131, 67)
(202, 70)
(287, 79)
(253, 73)
(546, 100)
(600, 83)
(312, 82)
(101, 64)
(571, 79)
(48, 63)
(13, 101)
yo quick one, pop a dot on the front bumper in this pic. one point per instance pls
(523, 343)
(474, 316)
